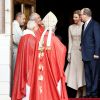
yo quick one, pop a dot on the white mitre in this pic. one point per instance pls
(50, 20)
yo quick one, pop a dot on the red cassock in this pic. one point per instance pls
(49, 71)
(24, 66)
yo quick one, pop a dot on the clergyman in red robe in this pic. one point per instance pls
(48, 79)
(24, 61)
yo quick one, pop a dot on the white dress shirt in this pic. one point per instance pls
(86, 23)
(17, 32)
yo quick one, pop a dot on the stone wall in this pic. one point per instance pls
(2, 16)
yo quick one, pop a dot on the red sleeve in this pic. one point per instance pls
(60, 51)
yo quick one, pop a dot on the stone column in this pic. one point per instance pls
(34, 6)
(5, 48)
(22, 8)
(2, 16)
(8, 16)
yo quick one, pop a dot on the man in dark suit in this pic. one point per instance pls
(90, 44)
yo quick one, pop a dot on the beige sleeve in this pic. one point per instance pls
(70, 40)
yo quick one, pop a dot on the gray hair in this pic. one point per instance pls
(32, 16)
(87, 12)
(19, 14)
(31, 24)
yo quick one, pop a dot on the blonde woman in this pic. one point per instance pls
(75, 77)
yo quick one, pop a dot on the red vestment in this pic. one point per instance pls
(23, 67)
(49, 70)
(24, 64)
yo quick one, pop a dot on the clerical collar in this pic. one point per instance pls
(27, 31)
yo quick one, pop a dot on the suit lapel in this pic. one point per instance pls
(84, 31)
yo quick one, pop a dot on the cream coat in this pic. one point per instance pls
(74, 72)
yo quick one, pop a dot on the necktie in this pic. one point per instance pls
(85, 26)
